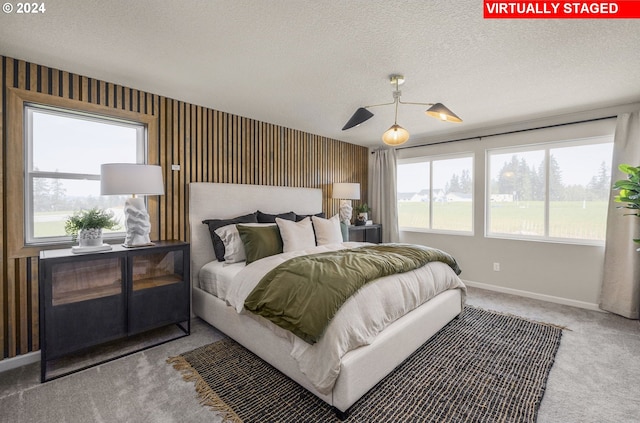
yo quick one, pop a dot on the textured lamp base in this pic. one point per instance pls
(136, 223)
(345, 211)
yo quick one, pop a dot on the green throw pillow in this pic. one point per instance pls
(260, 241)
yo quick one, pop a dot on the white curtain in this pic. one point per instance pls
(621, 283)
(384, 203)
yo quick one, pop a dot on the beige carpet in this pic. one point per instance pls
(482, 367)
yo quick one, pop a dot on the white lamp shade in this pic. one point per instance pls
(346, 191)
(130, 178)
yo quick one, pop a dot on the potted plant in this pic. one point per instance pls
(629, 191)
(363, 214)
(86, 226)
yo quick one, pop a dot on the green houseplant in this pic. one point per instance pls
(363, 213)
(86, 226)
(629, 191)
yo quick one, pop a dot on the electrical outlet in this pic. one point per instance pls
(175, 167)
(496, 267)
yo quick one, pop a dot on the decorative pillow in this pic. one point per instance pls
(233, 245)
(299, 217)
(218, 245)
(271, 218)
(233, 248)
(260, 241)
(296, 235)
(327, 230)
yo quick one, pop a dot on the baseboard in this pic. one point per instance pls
(19, 361)
(535, 295)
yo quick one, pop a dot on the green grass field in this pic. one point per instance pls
(454, 215)
(52, 224)
(567, 219)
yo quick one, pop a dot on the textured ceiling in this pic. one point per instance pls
(309, 64)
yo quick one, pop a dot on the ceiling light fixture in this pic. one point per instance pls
(396, 134)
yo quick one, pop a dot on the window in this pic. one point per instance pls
(436, 194)
(64, 151)
(556, 191)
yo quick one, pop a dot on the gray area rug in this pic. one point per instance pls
(481, 367)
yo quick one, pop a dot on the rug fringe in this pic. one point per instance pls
(205, 394)
(502, 313)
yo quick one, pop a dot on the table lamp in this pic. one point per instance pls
(133, 179)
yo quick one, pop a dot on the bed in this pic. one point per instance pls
(359, 369)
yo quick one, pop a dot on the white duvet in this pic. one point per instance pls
(364, 315)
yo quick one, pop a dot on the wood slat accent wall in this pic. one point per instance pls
(209, 146)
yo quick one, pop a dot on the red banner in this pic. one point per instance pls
(624, 9)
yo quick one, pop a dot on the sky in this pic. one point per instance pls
(75, 145)
(578, 165)
(414, 177)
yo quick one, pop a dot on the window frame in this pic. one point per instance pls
(15, 161)
(546, 147)
(441, 157)
(31, 174)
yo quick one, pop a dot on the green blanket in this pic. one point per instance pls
(304, 293)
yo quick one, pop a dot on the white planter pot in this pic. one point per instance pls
(90, 237)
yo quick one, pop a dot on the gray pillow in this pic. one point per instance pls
(300, 217)
(218, 245)
(271, 218)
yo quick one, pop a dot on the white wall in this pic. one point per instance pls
(565, 273)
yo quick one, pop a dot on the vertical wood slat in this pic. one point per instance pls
(222, 142)
(76, 88)
(10, 307)
(102, 97)
(186, 168)
(209, 145)
(135, 101)
(55, 82)
(84, 89)
(44, 81)
(22, 75)
(166, 166)
(176, 178)
(22, 296)
(93, 89)
(34, 301)
(33, 77)
(4, 64)
(126, 98)
(7, 316)
(209, 154)
(201, 145)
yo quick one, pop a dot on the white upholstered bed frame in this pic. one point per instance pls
(360, 369)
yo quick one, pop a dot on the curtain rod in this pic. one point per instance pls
(508, 132)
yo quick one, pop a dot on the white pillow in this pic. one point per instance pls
(233, 246)
(327, 230)
(296, 235)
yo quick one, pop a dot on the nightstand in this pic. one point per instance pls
(99, 306)
(366, 233)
